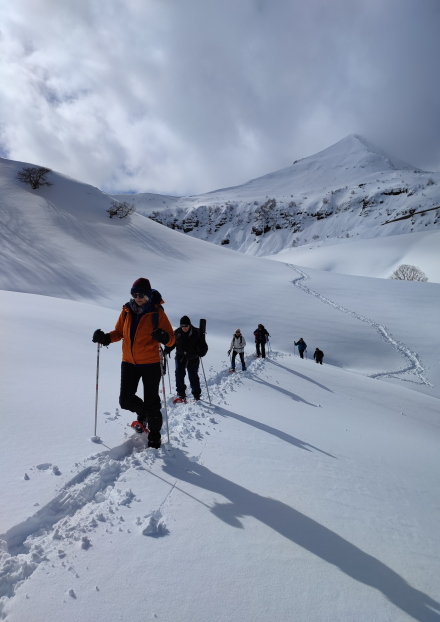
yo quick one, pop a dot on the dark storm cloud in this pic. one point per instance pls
(187, 96)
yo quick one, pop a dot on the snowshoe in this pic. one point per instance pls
(139, 427)
(180, 400)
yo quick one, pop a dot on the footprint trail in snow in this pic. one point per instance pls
(414, 364)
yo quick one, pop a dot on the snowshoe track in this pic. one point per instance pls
(414, 364)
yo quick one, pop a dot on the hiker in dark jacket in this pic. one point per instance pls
(301, 346)
(190, 346)
(318, 355)
(261, 336)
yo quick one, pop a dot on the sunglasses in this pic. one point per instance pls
(184, 326)
(139, 295)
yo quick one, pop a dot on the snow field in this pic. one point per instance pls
(303, 492)
(239, 471)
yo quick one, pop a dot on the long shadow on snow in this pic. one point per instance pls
(293, 396)
(296, 442)
(295, 373)
(307, 533)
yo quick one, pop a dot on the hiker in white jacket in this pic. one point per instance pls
(237, 346)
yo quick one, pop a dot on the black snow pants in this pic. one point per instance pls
(241, 355)
(263, 348)
(193, 374)
(148, 409)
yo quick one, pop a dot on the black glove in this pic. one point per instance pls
(99, 336)
(160, 335)
(229, 352)
(167, 351)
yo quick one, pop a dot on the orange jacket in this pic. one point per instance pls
(145, 349)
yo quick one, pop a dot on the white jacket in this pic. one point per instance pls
(238, 343)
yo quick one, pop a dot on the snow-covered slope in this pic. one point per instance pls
(377, 257)
(303, 492)
(59, 241)
(146, 202)
(351, 189)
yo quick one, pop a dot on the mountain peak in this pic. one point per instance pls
(356, 151)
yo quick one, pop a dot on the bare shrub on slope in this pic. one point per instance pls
(121, 209)
(406, 272)
(34, 176)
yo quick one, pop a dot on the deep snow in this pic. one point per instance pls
(303, 492)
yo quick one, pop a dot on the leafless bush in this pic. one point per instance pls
(121, 209)
(315, 237)
(430, 182)
(35, 176)
(292, 204)
(325, 200)
(406, 272)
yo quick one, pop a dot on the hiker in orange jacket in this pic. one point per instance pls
(142, 326)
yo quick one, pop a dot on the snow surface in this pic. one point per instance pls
(377, 257)
(303, 492)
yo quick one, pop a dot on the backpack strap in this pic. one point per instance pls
(155, 317)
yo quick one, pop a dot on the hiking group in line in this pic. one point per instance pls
(144, 327)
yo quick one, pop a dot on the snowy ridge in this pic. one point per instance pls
(350, 189)
(414, 364)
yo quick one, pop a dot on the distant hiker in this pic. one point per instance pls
(261, 336)
(142, 326)
(318, 355)
(190, 346)
(237, 345)
(301, 346)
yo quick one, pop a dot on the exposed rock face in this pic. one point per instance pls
(349, 189)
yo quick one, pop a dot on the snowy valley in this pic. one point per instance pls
(298, 491)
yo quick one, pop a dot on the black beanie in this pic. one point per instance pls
(142, 285)
(185, 320)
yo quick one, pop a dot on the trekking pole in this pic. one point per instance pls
(306, 355)
(164, 394)
(202, 328)
(97, 384)
(209, 397)
(169, 375)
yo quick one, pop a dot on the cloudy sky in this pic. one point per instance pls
(186, 96)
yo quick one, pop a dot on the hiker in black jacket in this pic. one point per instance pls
(190, 346)
(318, 355)
(261, 336)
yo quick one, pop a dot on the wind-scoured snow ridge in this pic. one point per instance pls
(414, 364)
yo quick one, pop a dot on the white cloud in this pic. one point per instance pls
(184, 97)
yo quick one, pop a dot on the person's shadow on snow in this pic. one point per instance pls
(292, 396)
(287, 438)
(305, 532)
(296, 373)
